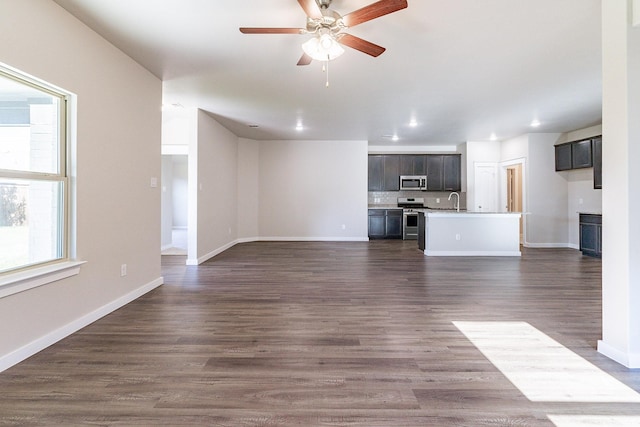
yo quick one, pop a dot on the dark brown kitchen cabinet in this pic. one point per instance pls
(581, 154)
(591, 234)
(413, 164)
(435, 177)
(393, 224)
(563, 157)
(574, 155)
(443, 172)
(451, 172)
(385, 223)
(377, 219)
(384, 173)
(391, 173)
(597, 162)
(375, 172)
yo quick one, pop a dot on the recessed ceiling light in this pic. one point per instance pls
(493, 137)
(413, 123)
(535, 123)
(395, 138)
(299, 127)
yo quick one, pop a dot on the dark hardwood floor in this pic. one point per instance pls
(330, 334)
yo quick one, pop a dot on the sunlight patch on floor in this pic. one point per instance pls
(541, 368)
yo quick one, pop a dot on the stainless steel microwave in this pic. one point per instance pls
(413, 182)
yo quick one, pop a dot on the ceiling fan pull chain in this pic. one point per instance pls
(326, 68)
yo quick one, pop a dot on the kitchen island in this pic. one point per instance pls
(451, 233)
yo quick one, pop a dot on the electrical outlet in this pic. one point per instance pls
(438, 200)
(458, 236)
(123, 270)
(344, 226)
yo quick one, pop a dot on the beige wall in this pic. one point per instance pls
(216, 183)
(248, 189)
(309, 189)
(118, 152)
(547, 224)
(620, 197)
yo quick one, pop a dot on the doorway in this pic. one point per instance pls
(514, 192)
(486, 188)
(174, 204)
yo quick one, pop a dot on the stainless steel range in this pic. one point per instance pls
(410, 216)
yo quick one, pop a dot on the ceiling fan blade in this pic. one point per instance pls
(305, 60)
(360, 44)
(373, 11)
(311, 8)
(257, 30)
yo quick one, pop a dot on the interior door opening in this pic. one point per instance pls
(514, 192)
(174, 204)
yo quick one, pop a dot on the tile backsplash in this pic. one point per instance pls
(430, 198)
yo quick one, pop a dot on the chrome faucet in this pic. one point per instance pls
(456, 204)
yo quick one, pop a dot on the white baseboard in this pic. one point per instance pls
(247, 239)
(545, 245)
(314, 239)
(473, 253)
(22, 353)
(630, 360)
(200, 260)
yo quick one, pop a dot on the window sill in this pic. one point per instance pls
(32, 278)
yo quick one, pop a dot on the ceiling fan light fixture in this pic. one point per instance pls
(323, 47)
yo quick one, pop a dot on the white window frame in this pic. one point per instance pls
(31, 276)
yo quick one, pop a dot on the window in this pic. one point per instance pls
(33, 173)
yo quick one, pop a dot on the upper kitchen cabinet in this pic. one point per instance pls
(597, 162)
(376, 173)
(384, 173)
(443, 172)
(413, 164)
(451, 165)
(574, 155)
(563, 157)
(581, 154)
(435, 175)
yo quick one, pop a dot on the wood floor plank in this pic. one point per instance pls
(319, 334)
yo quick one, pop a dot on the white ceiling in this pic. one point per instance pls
(464, 69)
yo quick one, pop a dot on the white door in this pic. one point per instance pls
(486, 187)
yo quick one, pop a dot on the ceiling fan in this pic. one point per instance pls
(327, 26)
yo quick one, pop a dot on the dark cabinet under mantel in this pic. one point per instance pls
(591, 234)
